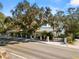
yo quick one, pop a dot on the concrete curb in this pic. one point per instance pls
(62, 45)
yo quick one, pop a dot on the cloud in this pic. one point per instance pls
(74, 2)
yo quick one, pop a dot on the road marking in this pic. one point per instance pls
(18, 56)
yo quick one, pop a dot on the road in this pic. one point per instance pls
(35, 50)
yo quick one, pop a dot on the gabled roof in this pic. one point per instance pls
(45, 27)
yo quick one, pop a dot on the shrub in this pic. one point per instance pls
(70, 38)
(44, 33)
(47, 34)
(62, 36)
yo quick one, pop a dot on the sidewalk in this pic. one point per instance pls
(75, 45)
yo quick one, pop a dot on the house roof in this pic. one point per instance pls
(45, 27)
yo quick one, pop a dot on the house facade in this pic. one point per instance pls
(57, 31)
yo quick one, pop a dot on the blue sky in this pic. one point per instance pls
(53, 4)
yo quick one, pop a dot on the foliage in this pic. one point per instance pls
(62, 36)
(2, 18)
(70, 38)
(77, 34)
(29, 18)
(46, 33)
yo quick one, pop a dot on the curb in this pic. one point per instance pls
(65, 45)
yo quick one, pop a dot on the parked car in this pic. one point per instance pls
(2, 42)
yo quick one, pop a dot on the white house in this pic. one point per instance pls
(48, 28)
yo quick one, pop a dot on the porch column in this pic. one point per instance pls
(26, 36)
(31, 37)
(20, 35)
(35, 36)
(65, 40)
(41, 38)
(48, 39)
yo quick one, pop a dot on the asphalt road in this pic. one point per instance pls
(35, 50)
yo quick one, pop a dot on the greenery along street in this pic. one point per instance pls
(27, 18)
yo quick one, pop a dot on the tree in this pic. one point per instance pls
(30, 17)
(2, 26)
(71, 21)
(26, 16)
(2, 18)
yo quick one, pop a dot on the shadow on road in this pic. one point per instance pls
(5, 41)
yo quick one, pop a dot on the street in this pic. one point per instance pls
(35, 50)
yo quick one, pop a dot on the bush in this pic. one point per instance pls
(44, 33)
(77, 34)
(70, 38)
(62, 36)
(50, 35)
(47, 34)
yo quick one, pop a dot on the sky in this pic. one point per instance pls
(53, 4)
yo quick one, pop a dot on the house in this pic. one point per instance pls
(56, 31)
(48, 28)
(45, 27)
